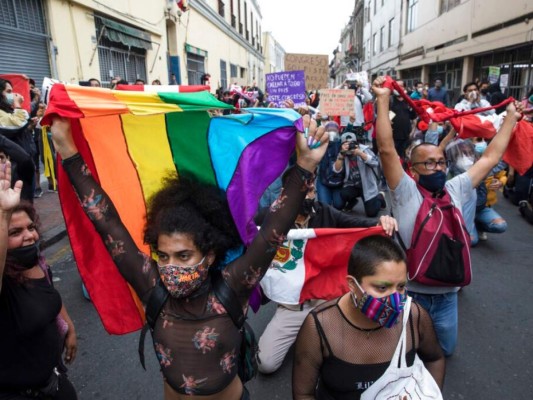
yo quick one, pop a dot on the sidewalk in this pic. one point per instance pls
(52, 223)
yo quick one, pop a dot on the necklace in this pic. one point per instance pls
(367, 330)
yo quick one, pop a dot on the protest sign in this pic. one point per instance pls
(316, 68)
(286, 85)
(494, 74)
(337, 102)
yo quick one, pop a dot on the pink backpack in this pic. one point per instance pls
(440, 246)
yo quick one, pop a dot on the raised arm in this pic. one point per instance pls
(132, 264)
(392, 168)
(246, 272)
(496, 148)
(9, 198)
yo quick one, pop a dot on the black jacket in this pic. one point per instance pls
(326, 216)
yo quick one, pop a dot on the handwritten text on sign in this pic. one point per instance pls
(286, 85)
(316, 68)
(337, 102)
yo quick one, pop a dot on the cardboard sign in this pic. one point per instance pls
(316, 68)
(337, 102)
(286, 85)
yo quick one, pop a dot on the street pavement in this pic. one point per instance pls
(492, 360)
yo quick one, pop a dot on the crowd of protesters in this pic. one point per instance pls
(384, 147)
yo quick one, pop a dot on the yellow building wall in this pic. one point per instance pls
(73, 32)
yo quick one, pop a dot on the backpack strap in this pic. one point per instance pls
(229, 299)
(155, 304)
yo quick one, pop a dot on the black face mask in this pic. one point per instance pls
(26, 257)
(307, 207)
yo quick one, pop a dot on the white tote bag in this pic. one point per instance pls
(415, 382)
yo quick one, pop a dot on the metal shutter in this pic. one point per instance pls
(24, 40)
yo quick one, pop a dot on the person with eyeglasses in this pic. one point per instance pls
(428, 170)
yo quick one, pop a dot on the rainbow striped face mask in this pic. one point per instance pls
(383, 310)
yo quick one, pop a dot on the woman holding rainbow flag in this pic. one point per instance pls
(190, 230)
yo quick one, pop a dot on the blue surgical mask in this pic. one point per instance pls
(10, 99)
(433, 182)
(440, 129)
(480, 147)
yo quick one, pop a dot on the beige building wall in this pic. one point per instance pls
(204, 28)
(450, 35)
(73, 32)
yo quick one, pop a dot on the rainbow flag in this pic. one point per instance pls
(130, 140)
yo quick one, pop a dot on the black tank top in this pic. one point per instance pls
(341, 380)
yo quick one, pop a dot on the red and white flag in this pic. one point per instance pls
(312, 264)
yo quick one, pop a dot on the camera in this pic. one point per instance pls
(352, 145)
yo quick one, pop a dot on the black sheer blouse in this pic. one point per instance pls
(194, 338)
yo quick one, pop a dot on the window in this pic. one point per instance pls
(389, 42)
(375, 43)
(412, 6)
(239, 15)
(223, 75)
(381, 38)
(246, 20)
(233, 17)
(243, 72)
(447, 5)
(195, 68)
(367, 15)
(232, 71)
(375, 6)
(221, 8)
(117, 59)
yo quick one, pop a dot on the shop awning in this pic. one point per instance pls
(195, 50)
(127, 35)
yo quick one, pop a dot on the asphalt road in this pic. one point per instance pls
(493, 359)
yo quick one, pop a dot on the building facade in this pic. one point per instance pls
(77, 40)
(81, 39)
(381, 38)
(457, 41)
(274, 54)
(220, 37)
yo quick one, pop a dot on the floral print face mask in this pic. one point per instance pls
(182, 280)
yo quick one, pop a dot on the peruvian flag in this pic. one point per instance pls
(164, 88)
(312, 264)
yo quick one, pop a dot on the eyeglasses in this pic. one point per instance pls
(432, 165)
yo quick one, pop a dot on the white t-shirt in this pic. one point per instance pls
(406, 201)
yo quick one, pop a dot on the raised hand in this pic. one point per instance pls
(62, 137)
(9, 198)
(378, 89)
(311, 144)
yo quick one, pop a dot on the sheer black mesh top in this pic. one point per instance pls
(195, 340)
(337, 360)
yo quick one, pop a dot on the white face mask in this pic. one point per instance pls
(333, 135)
(472, 96)
(420, 90)
(464, 163)
(10, 98)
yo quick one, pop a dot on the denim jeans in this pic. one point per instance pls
(443, 311)
(484, 223)
(324, 193)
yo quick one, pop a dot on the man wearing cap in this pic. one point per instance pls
(357, 165)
